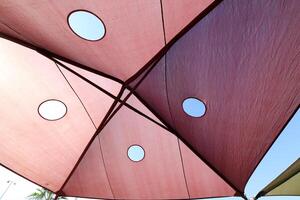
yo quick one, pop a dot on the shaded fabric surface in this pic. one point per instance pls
(90, 178)
(286, 184)
(105, 168)
(169, 169)
(134, 30)
(242, 61)
(31, 145)
(176, 16)
(98, 106)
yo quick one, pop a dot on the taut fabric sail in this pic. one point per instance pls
(117, 117)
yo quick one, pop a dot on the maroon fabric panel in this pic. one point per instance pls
(156, 81)
(242, 60)
(140, 107)
(200, 179)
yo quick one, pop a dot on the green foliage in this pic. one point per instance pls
(43, 194)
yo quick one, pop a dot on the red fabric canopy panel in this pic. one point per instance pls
(242, 61)
(41, 150)
(134, 30)
(169, 169)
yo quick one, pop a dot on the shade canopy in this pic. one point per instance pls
(157, 99)
(286, 184)
(245, 70)
(134, 30)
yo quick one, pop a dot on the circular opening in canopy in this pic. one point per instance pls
(52, 109)
(136, 153)
(193, 107)
(86, 25)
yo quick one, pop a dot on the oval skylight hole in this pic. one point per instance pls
(193, 107)
(136, 153)
(52, 109)
(86, 25)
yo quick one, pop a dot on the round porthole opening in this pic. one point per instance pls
(52, 109)
(193, 107)
(86, 25)
(135, 153)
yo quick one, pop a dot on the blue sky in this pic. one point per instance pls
(193, 107)
(86, 25)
